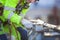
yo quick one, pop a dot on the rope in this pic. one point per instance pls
(10, 33)
(15, 30)
(9, 30)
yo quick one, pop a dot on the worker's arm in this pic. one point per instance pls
(13, 17)
(9, 12)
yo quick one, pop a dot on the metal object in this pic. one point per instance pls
(33, 34)
(46, 24)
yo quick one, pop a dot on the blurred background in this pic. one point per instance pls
(48, 11)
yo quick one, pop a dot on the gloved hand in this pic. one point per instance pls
(27, 23)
